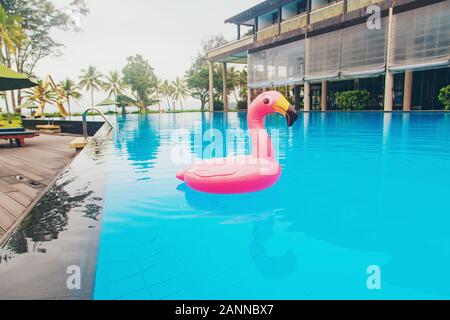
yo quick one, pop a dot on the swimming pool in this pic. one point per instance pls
(357, 190)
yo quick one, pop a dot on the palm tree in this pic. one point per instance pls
(11, 33)
(3, 95)
(180, 90)
(12, 37)
(167, 91)
(157, 90)
(114, 85)
(69, 91)
(91, 80)
(41, 94)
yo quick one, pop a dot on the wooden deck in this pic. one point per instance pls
(26, 172)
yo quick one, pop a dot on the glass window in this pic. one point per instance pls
(277, 66)
(421, 38)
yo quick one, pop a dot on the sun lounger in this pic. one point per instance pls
(17, 134)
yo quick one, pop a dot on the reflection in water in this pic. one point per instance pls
(50, 217)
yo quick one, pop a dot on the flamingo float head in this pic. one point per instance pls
(272, 102)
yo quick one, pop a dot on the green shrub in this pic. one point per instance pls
(242, 105)
(218, 105)
(353, 100)
(444, 97)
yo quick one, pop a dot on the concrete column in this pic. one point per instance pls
(297, 96)
(323, 100)
(307, 98)
(280, 19)
(211, 86)
(249, 97)
(225, 88)
(388, 92)
(308, 12)
(389, 81)
(407, 91)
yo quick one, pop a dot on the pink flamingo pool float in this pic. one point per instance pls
(244, 174)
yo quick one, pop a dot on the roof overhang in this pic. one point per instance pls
(247, 17)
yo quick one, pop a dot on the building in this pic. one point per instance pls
(317, 47)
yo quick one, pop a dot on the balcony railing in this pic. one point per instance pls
(230, 46)
(298, 22)
(267, 33)
(294, 23)
(358, 4)
(327, 12)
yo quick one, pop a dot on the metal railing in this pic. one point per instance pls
(85, 131)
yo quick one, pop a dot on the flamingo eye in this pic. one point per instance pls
(266, 101)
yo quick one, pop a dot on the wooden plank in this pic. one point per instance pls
(6, 185)
(29, 191)
(30, 175)
(21, 198)
(6, 220)
(40, 160)
(10, 205)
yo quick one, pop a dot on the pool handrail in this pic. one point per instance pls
(84, 115)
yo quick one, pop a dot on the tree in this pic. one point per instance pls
(444, 97)
(91, 80)
(198, 84)
(158, 91)
(125, 101)
(11, 38)
(70, 91)
(241, 84)
(197, 77)
(114, 85)
(139, 75)
(41, 94)
(11, 35)
(167, 92)
(39, 20)
(353, 100)
(180, 90)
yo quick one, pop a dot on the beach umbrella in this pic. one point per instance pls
(30, 106)
(11, 80)
(108, 102)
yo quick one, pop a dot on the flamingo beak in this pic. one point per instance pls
(283, 107)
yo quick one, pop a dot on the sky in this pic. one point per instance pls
(167, 33)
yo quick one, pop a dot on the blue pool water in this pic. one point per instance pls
(357, 190)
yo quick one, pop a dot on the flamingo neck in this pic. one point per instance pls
(262, 147)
